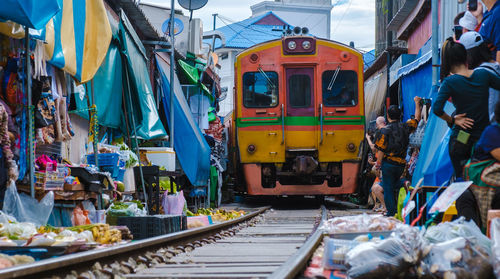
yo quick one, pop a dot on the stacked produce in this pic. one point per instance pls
(218, 215)
(10, 261)
(26, 234)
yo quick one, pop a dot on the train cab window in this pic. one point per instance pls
(341, 89)
(260, 89)
(299, 90)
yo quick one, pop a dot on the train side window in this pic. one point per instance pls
(299, 91)
(340, 91)
(260, 89)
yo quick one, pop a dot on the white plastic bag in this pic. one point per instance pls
(27, 209)
(495, 237)
(173, 204)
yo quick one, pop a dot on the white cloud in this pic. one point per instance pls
(355, 21)
(352, 20)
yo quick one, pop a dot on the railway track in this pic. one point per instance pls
(264, 243)
(259, 251)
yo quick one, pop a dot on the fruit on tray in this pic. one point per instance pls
(220, 215)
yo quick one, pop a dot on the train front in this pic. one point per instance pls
(299, 117)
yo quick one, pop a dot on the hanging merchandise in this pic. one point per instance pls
(78, 38)
(5, 142)
(10, 83)
(40, 68)
(44, 102)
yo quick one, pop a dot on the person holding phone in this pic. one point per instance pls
(469, 91)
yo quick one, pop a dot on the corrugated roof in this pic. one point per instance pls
(139, 19)
(246, 33)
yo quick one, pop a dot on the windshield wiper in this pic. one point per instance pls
(334, 77)
(269, 81)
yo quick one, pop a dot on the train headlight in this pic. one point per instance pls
(292, 45)
(351, 147)
(306, 45)
(251, 148)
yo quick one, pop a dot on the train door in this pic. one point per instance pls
(300, 113)
(341, 113)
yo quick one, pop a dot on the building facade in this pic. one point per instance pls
(313, 14)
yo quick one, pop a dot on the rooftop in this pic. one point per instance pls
(251, 31)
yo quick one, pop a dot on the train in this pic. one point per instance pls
(298, 121)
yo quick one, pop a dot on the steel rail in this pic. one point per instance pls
(298, 261)
(88, 258)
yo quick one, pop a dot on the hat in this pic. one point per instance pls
(471, 39)
(468, 21)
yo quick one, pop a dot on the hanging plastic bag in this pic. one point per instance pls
(80, 217)
(173, 204)
(27, 209)
(495, 249)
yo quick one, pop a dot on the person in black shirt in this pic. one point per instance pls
(392, 143)
(469, 91)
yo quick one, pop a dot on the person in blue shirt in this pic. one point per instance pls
(490, 24)
(469, 92)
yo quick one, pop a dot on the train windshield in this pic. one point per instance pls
(260, 89)
(340, 91)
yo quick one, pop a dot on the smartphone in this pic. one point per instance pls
(458, 31)
(472, 5)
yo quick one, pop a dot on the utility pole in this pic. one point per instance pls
(387, 49)
(213, 37)
(172, 68)
(435, 44)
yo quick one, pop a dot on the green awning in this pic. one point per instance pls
(193, 77)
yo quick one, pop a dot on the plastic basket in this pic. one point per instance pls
(108, 162)
(121, 174)
(51, 180)
(335, 252)
(143, 227)
(105, 159)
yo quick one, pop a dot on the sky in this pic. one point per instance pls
(352, 20)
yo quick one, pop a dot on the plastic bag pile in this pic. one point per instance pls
(449, 250)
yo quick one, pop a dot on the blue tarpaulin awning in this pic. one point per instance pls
(31, 13)
(191, 148)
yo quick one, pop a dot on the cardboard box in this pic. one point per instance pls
(73, 187)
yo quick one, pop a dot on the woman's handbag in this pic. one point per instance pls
(482, 174)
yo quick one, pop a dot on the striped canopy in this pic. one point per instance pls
(78, 38)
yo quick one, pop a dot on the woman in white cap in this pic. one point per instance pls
(468, 22)
(480, 56)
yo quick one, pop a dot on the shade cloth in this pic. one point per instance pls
(31, 13)
(191, 148)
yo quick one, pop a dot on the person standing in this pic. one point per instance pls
(479, 55)
(469, 91)
(377, 192)
(490, 24)
(392, 143)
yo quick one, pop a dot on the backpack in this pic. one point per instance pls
(398, 138)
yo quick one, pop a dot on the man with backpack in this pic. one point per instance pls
(392, 143)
